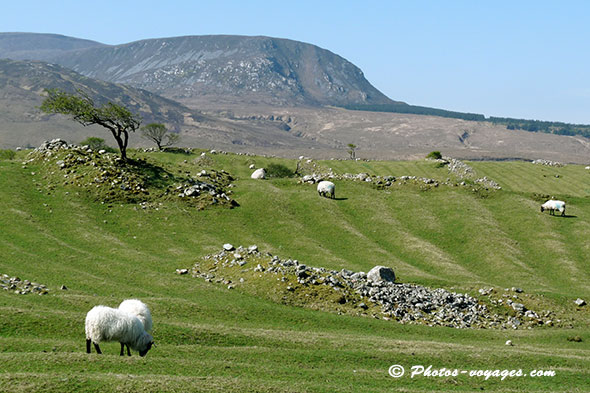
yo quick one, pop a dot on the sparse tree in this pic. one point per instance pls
(157, 133)
(81, 108)
(352, 150)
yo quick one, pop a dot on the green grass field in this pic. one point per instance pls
(210, 338)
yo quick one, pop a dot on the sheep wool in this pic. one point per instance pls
(140, 310)
(553, 205)
(111, 324)
(327, 188)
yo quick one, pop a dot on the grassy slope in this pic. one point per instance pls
(213, 339)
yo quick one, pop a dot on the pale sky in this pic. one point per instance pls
(524, 59)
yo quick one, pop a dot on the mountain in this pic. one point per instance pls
(222, 68)
(35, 46)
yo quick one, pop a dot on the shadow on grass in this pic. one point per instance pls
(564, 216)
(154, 175)
(340, 199)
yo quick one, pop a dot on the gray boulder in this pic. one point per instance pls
(381, 273)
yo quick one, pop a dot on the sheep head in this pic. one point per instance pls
(149, 346)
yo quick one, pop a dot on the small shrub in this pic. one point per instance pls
(278, 171)
(7, 154)
(576, 339)
(435, 155)
(96, 143)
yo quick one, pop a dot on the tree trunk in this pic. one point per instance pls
(124, 149)
(122, 144)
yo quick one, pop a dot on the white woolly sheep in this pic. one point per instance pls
(141, 311)
(327, 188)
(259, 173)
(111, 324)
(552, 206)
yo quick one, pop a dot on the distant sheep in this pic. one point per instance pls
(327, 189)
(111, 324)
(259, 173)
(141, 311)
(552, 206)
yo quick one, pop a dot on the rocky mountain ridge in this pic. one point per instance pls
(223, 67)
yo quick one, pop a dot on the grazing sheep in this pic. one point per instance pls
(327, 188)
(111, 324)
(259, 173)
(141, 311)
(553, 205)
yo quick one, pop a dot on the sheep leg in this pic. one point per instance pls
(88, 345)
(128, 351)
(122, 349)
(97, 349)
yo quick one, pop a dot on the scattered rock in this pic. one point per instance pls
(518, 307)
(547, 163)
(509, 342)
(63, 288)
(228, 247)
(485, 291)
(580, 302)
(181, 271)
(21, 287)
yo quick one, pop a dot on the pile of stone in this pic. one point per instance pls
(194, 188)
(541, 161)
(488, 183)
(459, 168)
(21, 287)
(53, 145)
(522, 316)
(365, 177)
(106, 168)
(406, 303)
(465, 172)
(388, 181)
